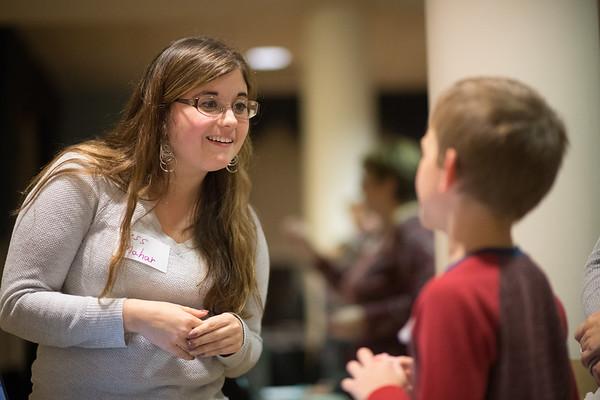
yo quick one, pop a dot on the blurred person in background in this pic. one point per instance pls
(136, 262)
(389, 262)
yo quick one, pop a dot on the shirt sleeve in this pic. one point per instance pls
(242, 361)
(331, 271)
(44, 243)
(388, 393)
(455, 344)
(591, 282)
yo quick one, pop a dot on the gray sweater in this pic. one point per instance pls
(591, 282)
(55, 270)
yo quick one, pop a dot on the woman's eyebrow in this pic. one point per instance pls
(213, 93)
(207, 93)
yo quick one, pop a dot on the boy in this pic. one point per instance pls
(490, 327)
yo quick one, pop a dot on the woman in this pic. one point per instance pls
(136, 262)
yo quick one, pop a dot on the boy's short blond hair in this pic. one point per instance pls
(509, 142)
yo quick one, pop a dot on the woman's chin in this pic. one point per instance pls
(218, 167)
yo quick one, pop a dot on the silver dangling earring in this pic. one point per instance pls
(232, 166)
(166, 157)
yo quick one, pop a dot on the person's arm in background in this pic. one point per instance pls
(405, 265)
(591, 282)
(331, 271)
(296, 232)
(415, 265)
(588, 333)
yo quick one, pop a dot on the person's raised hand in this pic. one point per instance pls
(296, 231)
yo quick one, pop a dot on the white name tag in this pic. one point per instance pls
(148, 250)
(405, 334)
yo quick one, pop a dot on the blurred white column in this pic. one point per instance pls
(338, 117)
(554, 47)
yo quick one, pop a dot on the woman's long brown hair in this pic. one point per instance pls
(128, 156)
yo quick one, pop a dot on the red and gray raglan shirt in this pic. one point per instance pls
(489, 328)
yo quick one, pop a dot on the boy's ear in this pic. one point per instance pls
(448, 178)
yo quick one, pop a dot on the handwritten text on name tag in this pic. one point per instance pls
(148, 250)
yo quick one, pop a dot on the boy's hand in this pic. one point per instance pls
(370, 372)
(407, 365)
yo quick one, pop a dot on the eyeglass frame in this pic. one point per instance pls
(195, 102)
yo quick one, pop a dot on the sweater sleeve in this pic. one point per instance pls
(242, 361)
(44, 243)
(591, 282)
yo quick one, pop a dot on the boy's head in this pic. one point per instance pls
(507, 142)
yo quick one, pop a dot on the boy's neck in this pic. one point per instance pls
(472, 227)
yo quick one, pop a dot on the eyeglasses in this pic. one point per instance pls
(242, 108)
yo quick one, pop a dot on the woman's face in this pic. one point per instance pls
(378, 193)
(204, 143)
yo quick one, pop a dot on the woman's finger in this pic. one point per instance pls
(195, 312)
(209, 325)
(211, 350)
(180, 353)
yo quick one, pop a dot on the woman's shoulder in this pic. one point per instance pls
(261, 241)
(255, 218)
(76, 169)
(71, 160)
